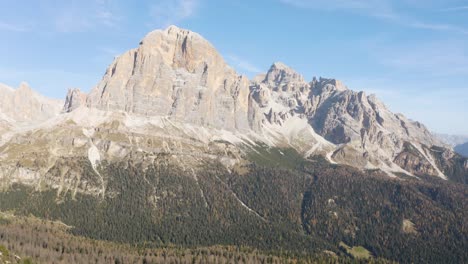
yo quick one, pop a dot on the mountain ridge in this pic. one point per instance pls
(177, 80)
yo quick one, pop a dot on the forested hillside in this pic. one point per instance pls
(297, 206)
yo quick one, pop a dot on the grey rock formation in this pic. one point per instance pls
(367, 133)
(74, 99)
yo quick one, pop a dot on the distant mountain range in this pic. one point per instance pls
(458, 142)
(452, 140)
(462, 149)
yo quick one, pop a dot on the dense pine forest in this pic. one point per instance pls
(277, 209)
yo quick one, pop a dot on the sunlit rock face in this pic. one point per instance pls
(175, 73)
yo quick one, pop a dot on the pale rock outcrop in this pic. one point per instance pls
(179, 74)
(74, 99)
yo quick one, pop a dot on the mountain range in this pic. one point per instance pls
(175, 141)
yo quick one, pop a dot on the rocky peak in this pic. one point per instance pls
(74, 99)
(24, 105)
(280, 76)
(24, 87)
(325, 85)
(175, 73)
(180, 48)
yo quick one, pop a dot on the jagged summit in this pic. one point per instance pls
(280, 74)
(24, 86)
(280, 66)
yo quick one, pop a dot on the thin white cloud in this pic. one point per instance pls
(437, 58)
(455, 9)
(169, 12)
(380, 9)
(12, 27)
(337, 4)
(72, 17)
(242, 64)
(71, 21)
(437, 27)
(107, 18)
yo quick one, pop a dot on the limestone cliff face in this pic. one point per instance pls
(175, 73)
(23, 105)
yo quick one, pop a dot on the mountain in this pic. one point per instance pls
(458, 142)
(177, 74)
(462, 149)
(25, 106)
(172, 146)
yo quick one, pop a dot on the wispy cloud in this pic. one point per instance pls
(455, 9)
(436, 27)
(337, 4)
(447, 58)
(12, 27)
(107, 18)
(242, 64)
(380, 9)
(375, 7)
(168, 12)
(72, 17)
(71, 21)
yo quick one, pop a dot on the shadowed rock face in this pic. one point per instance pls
(178, 75)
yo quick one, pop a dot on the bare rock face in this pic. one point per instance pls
(367, 133)
(175, 73)
(414, 162)
(74, 99)
(23, 105)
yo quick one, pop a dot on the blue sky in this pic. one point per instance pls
(412, 53)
